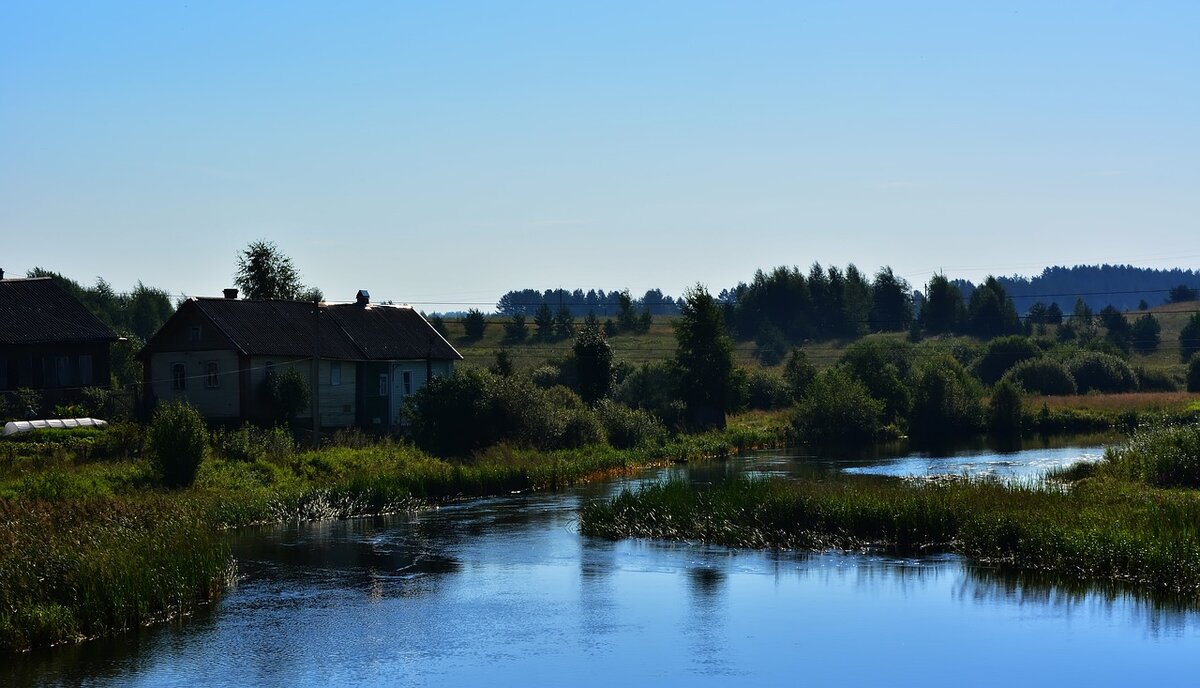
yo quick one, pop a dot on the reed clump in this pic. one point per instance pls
(1098, 530)
(75, 569)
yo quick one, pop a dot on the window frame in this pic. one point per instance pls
(178, 377)
(212, 374)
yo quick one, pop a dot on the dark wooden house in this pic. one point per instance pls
(50, 342)
(216, 353)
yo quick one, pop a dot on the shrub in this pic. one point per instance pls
(770, 345)
(1042, 376)
(883, 365)
(1164, 456)
(627, 427)
(798, 372)
(474, 409)
(1101, 372)
(837, 408)
(286, 392)
(251, 443)
(178, 443)
(1005, 408)
(766, 390)
(1146, 333)
(503, 364)
(1156, 380)
(1003, 353)
(1189, 338)
(593, 363)
(515, 330)
(654, 387)
(555, 418)
(945, 401)
(1193, 373)
(545, 376)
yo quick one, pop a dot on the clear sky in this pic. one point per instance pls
(450, 151)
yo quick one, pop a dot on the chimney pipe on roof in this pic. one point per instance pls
(363, 298)
(231, 293)
(1, 273)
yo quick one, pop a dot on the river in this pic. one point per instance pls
(506, 592)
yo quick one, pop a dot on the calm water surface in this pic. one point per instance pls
(506, 592)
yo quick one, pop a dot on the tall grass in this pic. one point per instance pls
(1102, 530)
(82, 568)
(1162, 456)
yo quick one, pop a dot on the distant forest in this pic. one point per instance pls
(581, 303)
(1122, 286)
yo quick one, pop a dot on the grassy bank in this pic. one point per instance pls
(90, 545)
(1102, 528)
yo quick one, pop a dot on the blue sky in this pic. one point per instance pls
(451, 151)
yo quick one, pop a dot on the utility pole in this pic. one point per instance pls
(316, 377)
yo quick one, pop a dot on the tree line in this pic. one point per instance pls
(579, 303)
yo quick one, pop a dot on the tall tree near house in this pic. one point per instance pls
(704, 360)
(264, 272)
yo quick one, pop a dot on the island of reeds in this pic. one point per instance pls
(1132, 518)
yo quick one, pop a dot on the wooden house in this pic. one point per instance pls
(216, 353)
(50, 342)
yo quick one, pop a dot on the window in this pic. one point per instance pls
(407, 378)
(194, 333)
(62, 371)
(178, 376)
(212, 375)
(335, 373)
(383, 384)
(85, 369)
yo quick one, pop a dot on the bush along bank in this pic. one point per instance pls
(1117, 525)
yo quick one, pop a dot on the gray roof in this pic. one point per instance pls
(40, 311)
(347, 331)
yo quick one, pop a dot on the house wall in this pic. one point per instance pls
(417, 371)
(221, 401)
(60, 371)
(238, 392)
(336, 401)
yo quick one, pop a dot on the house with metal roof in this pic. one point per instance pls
(216, 354)
(50, 342)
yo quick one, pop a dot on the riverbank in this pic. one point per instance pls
(1108, 526)
(90, 546)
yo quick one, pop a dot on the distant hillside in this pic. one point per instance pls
(1122, 286)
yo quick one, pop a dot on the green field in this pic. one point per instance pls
(659, 343)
